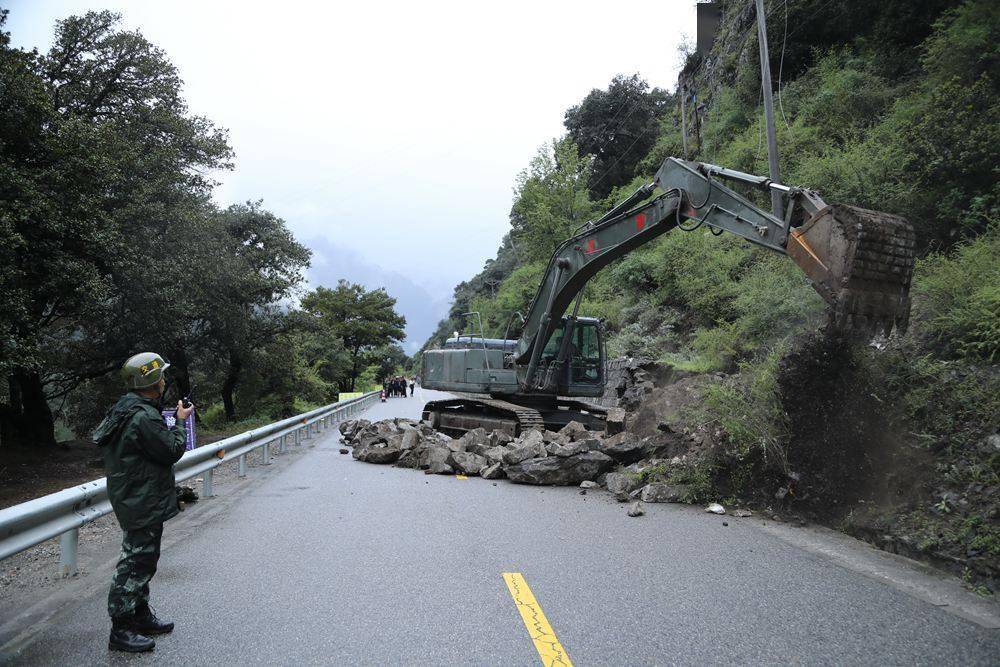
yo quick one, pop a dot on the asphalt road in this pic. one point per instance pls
(331, 561)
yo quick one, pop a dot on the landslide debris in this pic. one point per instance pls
(623, 462)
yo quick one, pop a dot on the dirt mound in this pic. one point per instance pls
(847, 444)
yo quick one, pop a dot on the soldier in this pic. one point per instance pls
(139, 454)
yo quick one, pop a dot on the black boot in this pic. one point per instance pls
(147, 623)
(125, 638)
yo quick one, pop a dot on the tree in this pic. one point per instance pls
(388, 361)
(102, 167)
(617, 127)
(363, 320)
(551, 200)
(259, 264)
(95, 145)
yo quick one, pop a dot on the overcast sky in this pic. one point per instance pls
(390, 130)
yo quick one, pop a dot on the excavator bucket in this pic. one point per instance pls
(861, 263)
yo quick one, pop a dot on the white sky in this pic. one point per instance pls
(393, 129)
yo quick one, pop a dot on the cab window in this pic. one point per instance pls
(585, 364)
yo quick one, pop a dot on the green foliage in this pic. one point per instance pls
(952, 404)
(839, 98)
(551, 200)
(363, 320)
(110, 244)
(749, 410)
(956, 299)
(697, 481)
(617, 126)
(964, 44)
(699, 271)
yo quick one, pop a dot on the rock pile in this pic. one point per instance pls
(615, 459)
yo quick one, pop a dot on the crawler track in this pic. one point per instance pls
(458, 415)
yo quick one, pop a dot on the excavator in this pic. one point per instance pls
(859, 261)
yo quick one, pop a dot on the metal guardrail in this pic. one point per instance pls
(61, 514)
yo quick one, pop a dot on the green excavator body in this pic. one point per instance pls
(859, 261)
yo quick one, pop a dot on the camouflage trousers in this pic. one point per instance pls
(136, 566)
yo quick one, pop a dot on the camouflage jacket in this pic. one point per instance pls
(139, 456)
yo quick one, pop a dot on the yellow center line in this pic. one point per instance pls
(546, 643)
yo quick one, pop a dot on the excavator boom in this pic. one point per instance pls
(859, 261)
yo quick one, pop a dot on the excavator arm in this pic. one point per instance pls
(859, 261)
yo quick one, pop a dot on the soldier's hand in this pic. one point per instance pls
(182, 412)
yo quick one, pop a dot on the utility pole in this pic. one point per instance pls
(697, 122)
(684, 127)
(772, 142)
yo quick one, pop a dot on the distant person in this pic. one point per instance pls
(139, 455)
(413, 385)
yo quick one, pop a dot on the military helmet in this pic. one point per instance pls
(143, 370)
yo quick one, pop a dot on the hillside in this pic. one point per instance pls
(891, 106)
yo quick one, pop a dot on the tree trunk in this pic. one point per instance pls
(354, 367)
(30, 420)
(8, 413)
(229, 386)
(179, 370)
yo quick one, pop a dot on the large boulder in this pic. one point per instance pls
(378, 451)
(615, 420)
(664, 493)
(573, 448)
(478, 448)
(528, 446)
(574, 430)
(622, 482)
(524, 452)
(492, 471)
(467, 463)
(557, 438)
(623, 447)
(350, 428)
(387, 426)
(495, 454)
(435, 461)
(410, 458)
(410, 439)
(476, 436)
(559, 471)
(499, 438)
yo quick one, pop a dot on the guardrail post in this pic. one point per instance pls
(265, 454)
(281, 445)
(206, 484)
(298, 438)
(68, 543)
(243, 465)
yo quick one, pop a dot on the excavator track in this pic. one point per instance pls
(458, 415)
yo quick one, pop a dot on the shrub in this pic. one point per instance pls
(956, 299)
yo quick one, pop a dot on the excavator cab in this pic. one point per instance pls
(573, 357)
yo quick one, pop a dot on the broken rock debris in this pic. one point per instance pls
(617, 460)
